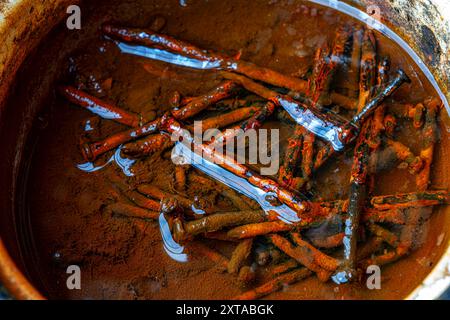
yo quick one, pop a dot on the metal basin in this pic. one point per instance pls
(422, 25)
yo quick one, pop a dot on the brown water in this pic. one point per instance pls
(123, 258)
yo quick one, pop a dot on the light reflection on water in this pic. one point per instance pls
(231, 180)
(166, 56)
(123, 163)
(172, 248)
(88, 126)
(197, 210)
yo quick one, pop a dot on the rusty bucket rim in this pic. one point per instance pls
(13, 279)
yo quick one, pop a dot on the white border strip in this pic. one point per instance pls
(377, 25)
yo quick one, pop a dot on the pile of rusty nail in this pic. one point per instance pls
(289, 251)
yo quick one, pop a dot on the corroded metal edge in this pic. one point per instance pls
(23, 23)
(436, 283)
(425, 26)
(14, 280)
